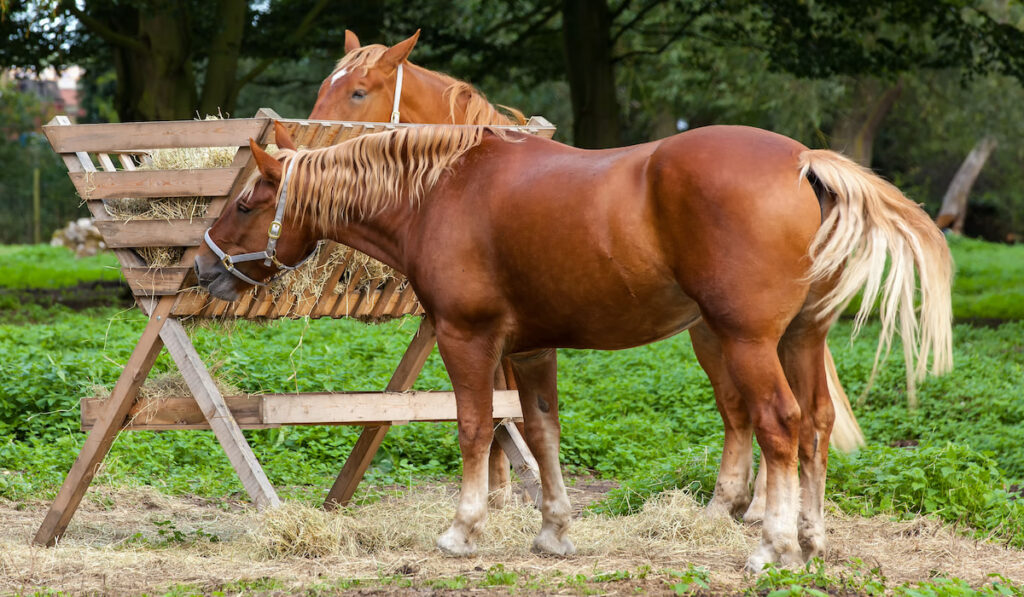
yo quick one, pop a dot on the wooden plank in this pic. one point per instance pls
(218, 415)
(154, 233)
(201, 182)
(177, 412)
(102, 436)
(384, 300)
(374, 407)
(523, 462)
(129, 136)
(150, 281)
(262, 411)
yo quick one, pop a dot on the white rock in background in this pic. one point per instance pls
(81, 236)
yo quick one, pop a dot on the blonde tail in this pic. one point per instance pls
(872, 221)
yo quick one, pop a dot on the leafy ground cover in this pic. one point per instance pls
(644, 417)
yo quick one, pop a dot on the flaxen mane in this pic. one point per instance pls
(361, 177)
(461, 96)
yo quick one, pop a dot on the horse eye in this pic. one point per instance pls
(244, 208)
(358, 94)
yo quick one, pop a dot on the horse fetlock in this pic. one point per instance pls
(812, 540)
(729, 500)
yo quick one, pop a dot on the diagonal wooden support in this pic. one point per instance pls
(103, 434)
(359, 460)
(218, 415)
(523, 463)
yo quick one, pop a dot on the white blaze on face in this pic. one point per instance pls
(341, 73)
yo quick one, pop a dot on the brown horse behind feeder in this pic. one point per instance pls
(364, 86)
(516, 245)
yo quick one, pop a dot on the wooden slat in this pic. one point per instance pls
(147, 281)
(374, 407)
(203, 182)
(218, 415)
(128, 136)
(384, 299)
(178, 412)
(264, 411)
(154, 233)
(102, 437)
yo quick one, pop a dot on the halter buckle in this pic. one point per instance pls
(226, 262)
(275, 230)
(394, 117)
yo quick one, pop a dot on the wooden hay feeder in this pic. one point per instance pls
(165, 294)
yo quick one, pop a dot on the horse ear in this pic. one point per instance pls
(398, 53)
(269, 167)
(351, 41)
(282, 138)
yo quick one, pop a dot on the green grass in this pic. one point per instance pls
(645, 416)
(43, 266)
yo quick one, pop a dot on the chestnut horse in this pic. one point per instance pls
(517, 245)
(364, 87)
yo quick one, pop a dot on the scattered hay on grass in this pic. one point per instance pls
(300, 547)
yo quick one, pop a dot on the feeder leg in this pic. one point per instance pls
(106, 427)
(223, 424)
(359, 460)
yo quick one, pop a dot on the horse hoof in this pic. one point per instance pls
(548, 544)
(452, 543)
(715, 510)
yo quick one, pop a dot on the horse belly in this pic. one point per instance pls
(609, 321)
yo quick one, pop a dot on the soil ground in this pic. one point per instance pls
(132, 541)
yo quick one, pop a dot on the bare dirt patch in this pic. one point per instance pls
(131, 541)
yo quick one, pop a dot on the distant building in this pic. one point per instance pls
(59, 90)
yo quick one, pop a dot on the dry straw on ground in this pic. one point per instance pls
(111, 546)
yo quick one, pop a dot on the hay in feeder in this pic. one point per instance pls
(310, 280)
(169, 385)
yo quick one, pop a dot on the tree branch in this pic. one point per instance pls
(639, 15)
(672, 39)
(103, 30)
(299, 31)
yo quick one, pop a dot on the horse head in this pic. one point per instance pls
(365, 83)
(255, 238)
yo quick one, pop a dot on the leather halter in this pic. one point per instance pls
(268, 255)
(398, 96)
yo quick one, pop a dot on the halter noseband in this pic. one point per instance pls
(268, 255)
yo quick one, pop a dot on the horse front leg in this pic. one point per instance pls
(470, 360)
(536, 375)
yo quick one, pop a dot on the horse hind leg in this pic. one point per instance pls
(732, 488)
(536, 378)
(802, 351)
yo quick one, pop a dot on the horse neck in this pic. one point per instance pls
(423, 98)
(381, 236)
(424, 94)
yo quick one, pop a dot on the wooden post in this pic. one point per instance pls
(103, 434)
(219, 416)
(36, 209)
(369, 441)
(519, 455)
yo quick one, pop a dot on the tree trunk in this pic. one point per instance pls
(854, 134)
(586, 29)
(155, 80)
(219, 86)
(954, 203)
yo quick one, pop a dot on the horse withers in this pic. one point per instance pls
(517, 245)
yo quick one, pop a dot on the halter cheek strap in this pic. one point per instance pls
(268, 255)
(398, 96)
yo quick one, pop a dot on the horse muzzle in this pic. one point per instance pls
(215, 278)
